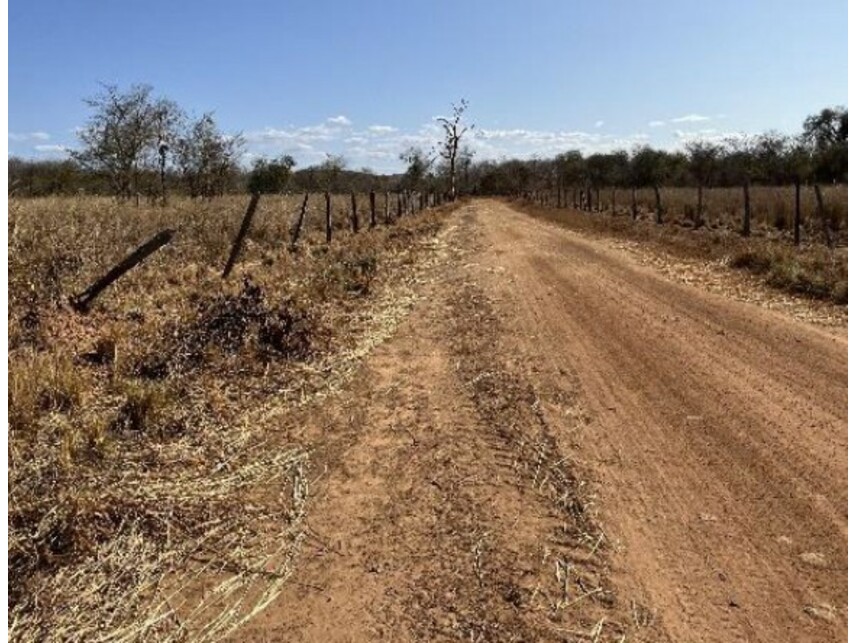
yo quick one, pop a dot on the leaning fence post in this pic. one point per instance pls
(355, 224)
(296, 231)
(81, 302)
(372, 209)
(242, 232)
(386, 206)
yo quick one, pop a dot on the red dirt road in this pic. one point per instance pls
(719, 434)
(549, 387)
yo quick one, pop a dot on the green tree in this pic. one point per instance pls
(703, 161)
(270, 176)
(826, 134)
(418, 168)
(651, 168)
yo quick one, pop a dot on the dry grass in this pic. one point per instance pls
(772, 208)
(811, 270)
(152, 492)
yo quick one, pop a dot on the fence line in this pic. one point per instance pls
(417, 202)
(588, 199)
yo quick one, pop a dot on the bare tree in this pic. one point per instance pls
(206, 157)
(126, 132)
(454, 129)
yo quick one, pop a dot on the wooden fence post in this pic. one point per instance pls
(797, 212)
(659, 211)
(328, 221)
(613, 202)
(634, 211)
(398, 205)
(81, 302)
(745, 228)
(242, 232)
(296, 230)
(355, 223)
(697, 221)
(372, 209)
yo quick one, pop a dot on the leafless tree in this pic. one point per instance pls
(454, 129)
(206, 157)
(126, 132)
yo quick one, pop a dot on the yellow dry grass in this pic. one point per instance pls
(152, 490)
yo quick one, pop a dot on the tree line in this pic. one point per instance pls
(819, 154)
(137, 144)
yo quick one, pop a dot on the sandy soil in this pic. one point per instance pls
(561, 443)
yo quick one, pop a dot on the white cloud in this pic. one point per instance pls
(656, 123)
(599, 124)
(691, 118)
(29, 136)
(708, 135)
(379, 146)
(51, 149)
(339, 120)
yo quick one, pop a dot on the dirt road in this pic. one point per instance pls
(561, 444)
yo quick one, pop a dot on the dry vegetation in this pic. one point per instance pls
(145, 461)
(812, 270)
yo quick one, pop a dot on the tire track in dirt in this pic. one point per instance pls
(561, 444)
(444, 507)
(719, 435)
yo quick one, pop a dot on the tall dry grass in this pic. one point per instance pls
(152, 492)
(772, 208)
(812, 270)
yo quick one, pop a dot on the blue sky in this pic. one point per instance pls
(365, 79)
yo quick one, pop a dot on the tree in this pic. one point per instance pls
(769, 151)
(703, 161)
(598, 168)
(571, 170)
(270, 176)
(650, 168)
(418, 167)
(126, 132)
(826, 134)
(466, 155)
(454, 129)
(331, 171)
(206, 157)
